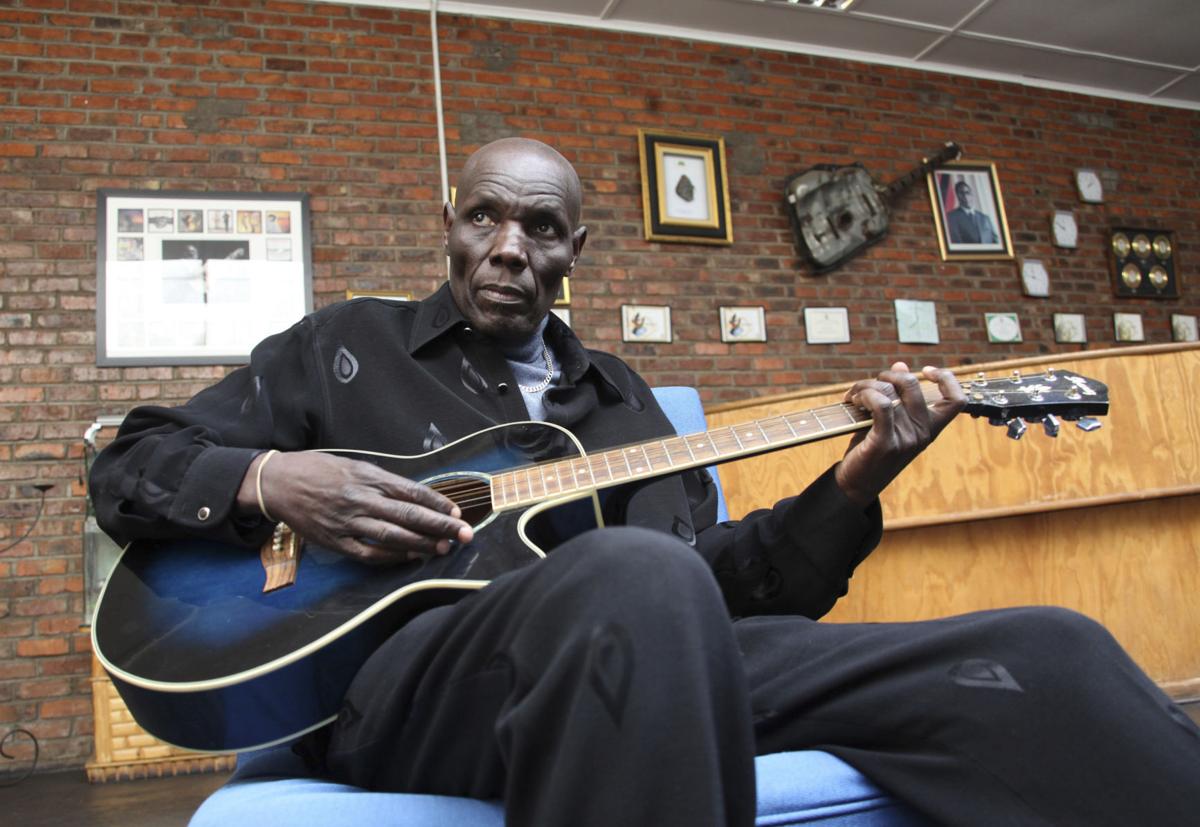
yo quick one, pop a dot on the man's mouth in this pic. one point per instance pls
(502, 294)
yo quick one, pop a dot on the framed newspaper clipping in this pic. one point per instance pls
(197, 278)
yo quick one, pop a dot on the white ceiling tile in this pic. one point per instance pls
(942, 13)
(1028, 62)
(819, 28)
(1157, 31)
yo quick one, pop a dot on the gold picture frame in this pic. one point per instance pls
(685, 188)
(978, 231)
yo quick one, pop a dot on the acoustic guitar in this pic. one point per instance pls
(206, 659)
(837, 212)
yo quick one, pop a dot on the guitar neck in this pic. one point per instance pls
(948, 153)
(528, 486)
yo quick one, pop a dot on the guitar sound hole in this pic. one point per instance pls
(473, 496)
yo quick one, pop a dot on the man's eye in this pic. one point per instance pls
(480, 217)
(545, 228)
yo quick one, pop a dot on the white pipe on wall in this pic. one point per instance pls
(437, 100)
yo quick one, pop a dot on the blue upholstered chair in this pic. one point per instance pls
(271, 787)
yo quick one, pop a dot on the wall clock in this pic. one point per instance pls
(1064, 229)
(1034, 278)
(1087, 181)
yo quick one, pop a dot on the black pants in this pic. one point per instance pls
(607, 686)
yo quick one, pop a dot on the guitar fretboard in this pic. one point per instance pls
(527, 486)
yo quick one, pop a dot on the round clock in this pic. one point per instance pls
(1162, 247)
(1120, 245)
(1158, 277)
(1141, 245)
(1064, 228)
(1003, 327)
(1131, 275)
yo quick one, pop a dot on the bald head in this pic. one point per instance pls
(523, 156)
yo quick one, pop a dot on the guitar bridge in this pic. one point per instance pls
(280, 555)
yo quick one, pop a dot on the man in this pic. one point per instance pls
(968, 225)
(606, 684)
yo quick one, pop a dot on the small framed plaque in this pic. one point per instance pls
(916, 322)
(743, 324)
(1070, 328)
(1002, 327)
(826, 325)
(645, 323)
(1127, 327)
(1183, 328)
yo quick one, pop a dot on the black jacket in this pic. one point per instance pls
(407, 378)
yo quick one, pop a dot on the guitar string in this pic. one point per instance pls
(480, 492)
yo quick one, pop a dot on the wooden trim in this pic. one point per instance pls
(898, 524)
(1184, 691)
(1008, 364)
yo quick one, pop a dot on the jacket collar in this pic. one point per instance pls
(438, 315)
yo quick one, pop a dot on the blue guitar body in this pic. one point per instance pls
(205, 659)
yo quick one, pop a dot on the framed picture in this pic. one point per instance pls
(197, 278)
(968, 211)
(562, 313)
(1002, 327)
(685, 188)
(1070, 328)
(564, 293)
(645, 323)
(826, 325)
(1183, 328)
(389, 295)
(743, 324)
(916, 322)
(1127, 327)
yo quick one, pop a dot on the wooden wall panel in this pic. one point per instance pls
(1149, 445)
(1107, 522)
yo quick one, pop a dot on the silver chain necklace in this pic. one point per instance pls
(545, 383)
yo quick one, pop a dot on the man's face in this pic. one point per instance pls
(966, 197)
(512, 236)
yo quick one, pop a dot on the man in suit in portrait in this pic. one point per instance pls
(967, 225)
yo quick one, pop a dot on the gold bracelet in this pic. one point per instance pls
(258, 485)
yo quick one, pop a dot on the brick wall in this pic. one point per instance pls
(336, 101)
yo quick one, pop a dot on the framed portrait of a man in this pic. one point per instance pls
(968, 211)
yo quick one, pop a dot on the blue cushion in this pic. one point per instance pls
(683, 407)
(271, 788)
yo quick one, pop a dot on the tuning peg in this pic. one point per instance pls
(1050, 425)
(1016, 377)
(1088, 423)
(1016, 428)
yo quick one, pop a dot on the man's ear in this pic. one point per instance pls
(447, 222)
(577, 241)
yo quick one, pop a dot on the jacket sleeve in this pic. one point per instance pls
(175, 472)
(794, 558)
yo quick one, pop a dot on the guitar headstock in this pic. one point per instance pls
(1036, 397)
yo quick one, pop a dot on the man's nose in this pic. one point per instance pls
(508, 249)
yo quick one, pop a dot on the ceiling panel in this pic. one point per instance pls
(1022, 61)
(1157, 31)
(815, 27)
(941, 13)
(1187, 90)
(1117, 49)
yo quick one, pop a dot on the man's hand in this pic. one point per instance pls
(353, 507)
(899, 431)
